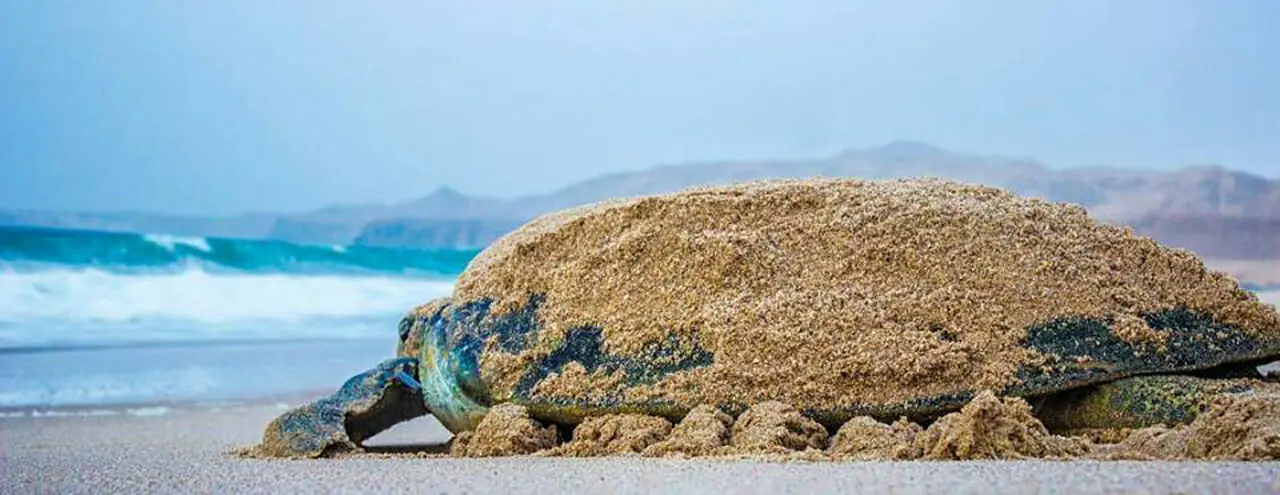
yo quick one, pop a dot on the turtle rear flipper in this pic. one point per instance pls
(366, 404)
(1141, 401)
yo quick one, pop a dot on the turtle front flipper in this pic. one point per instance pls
(1141, 401)
(366, 404)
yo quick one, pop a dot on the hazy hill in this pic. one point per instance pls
(1218, 212)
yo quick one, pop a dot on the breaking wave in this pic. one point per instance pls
(31, 249)
(74, 288)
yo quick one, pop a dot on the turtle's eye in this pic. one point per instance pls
(406, 324)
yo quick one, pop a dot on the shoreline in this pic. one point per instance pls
(182, 376)
(277, 401)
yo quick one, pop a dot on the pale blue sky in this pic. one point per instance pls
(218, 107)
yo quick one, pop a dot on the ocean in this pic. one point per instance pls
(103, 319)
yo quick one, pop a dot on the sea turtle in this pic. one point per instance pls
(841, 297)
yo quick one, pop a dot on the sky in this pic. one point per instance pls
(231, 106)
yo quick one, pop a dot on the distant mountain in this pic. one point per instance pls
(1222, 237)
(458, 233)
(1220, 213)
(1109, 193)
(345, 224)
(1215, 211)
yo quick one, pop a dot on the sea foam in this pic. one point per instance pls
(76, 306)
(171, 242)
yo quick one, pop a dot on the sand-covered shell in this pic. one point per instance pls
(841, 297)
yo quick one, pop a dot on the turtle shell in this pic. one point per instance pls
(841, 297)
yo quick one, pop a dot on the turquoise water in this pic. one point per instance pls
(31, 249)
(102, 318)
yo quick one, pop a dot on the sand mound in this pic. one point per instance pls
(702, 432)
(840, 293)
(507, 430)
(614, 434)
(991, 428)
(774, 427)
(986, 428)
(1234, 428)
(863, 438)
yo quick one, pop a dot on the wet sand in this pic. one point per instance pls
(186, 451)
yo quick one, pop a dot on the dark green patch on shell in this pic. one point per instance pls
(584, 345)
(1087, 350)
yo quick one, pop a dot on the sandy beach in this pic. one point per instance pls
(186, 450)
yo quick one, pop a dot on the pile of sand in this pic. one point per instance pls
(989, 427)
(774, 427)
(614, 434)
(986, 428)
(832, 292)
(507, 430)
(864, 439)
(702, 432)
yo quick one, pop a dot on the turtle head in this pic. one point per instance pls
(411, 338)
(448, 369)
